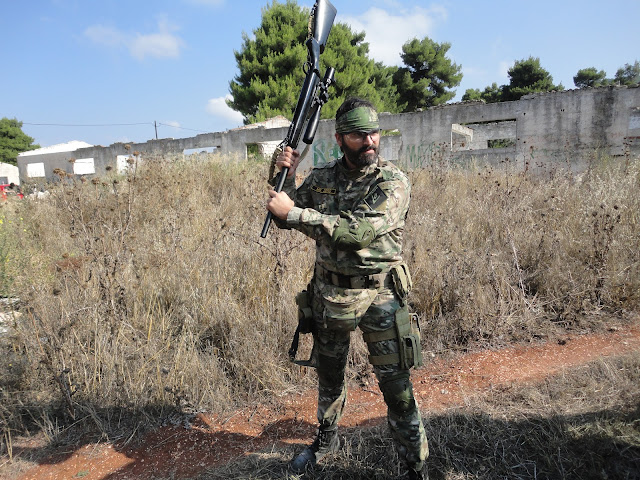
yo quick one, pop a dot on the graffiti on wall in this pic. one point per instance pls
(325, 152)
(415, 156)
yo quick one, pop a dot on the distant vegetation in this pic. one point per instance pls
(270, 71)
(13, 141)
(153, 293)
(527, 76)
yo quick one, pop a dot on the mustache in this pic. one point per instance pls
(367, 148)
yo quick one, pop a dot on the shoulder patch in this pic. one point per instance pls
(376, 198)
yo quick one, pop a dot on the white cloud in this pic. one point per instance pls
(503, 70)
(387, 32)
(218, 108)
(172, 123)
(163, 44)
(159, 45)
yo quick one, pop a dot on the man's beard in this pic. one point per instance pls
(365, 155)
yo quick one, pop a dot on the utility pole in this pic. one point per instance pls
(156, 127)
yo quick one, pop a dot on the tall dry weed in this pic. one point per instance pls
(502, 256)
(154, 293)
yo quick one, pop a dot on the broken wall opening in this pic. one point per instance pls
(489, 135)
(262, 150)
(199, 151)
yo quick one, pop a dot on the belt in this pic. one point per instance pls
(375, 280)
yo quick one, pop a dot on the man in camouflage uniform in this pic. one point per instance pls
(355, 209)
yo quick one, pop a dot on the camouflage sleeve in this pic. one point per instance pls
(300, 196)
(303, 217)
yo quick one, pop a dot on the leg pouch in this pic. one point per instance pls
(402, 282)
(305, 314)
(305, 326)
(407, 333)
(409, 338)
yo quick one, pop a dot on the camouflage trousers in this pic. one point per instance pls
(332, 344)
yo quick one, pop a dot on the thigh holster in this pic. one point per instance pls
(406, 331)
(305, 325)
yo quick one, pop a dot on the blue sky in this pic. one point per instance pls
(89, 66)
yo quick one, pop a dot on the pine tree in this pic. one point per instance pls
(528, 76)
(427, 76)
(491, 94)
(271, 67)
(628, 75)
(589, 77)
(13, 141)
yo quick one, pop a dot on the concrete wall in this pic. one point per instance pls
(566, 128)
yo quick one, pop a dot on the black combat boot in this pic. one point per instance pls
(417, 474)
(327, 441)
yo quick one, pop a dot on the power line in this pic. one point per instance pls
(183, 128)
(87, 125)
(112, 125)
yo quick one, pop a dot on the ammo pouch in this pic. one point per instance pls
(407, 332)
(401, 280)
(305, 314)
(408, 338)
(305, 325)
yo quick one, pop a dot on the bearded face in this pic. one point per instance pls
(362, 156)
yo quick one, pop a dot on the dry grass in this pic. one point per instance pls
(149, 294)
(499, 256)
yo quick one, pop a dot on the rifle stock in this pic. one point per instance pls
(314, 91)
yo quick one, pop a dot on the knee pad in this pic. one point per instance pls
(398, 394)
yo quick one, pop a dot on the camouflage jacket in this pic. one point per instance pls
(377, 193)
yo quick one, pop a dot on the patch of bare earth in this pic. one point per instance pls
(180, 453)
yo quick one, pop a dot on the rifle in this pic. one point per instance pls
(314, 91)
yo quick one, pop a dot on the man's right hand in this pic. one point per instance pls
(289, 158)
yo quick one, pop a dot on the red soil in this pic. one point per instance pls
(182, 453)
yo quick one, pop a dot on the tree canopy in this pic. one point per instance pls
(13, 141)
(271, 73)
(628, 75)
(590, 77)
(270, 65)
(526, 76)
(491, 94)
(428, 75)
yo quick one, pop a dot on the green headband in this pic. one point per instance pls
(360, 119)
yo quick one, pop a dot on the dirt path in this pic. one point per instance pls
(182, 453)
